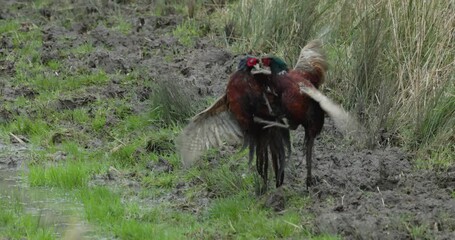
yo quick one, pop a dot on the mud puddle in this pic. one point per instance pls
(53, 208)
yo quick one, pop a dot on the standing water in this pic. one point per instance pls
(53, 208)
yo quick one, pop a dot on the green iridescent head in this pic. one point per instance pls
(276, 64)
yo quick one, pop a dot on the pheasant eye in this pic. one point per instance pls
(251, 62)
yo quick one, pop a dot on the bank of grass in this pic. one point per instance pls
(391, 62)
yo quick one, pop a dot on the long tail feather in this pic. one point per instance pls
(275, 144)
(312, 60)
(280, 145)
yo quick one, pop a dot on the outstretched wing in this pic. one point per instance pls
(209, 128)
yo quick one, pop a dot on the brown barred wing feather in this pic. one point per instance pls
(210, 128)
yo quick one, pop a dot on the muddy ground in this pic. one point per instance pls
(360, 194)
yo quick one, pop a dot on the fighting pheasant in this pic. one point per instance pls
(299, 108)
(231, 119)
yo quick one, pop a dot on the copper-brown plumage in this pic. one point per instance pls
(226, 120)
(231, 118)
(299, 108)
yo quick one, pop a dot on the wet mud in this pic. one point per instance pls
(375, 194)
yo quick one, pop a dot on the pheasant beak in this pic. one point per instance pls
(258, 69)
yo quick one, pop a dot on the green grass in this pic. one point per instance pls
(188, 32)
(37, 4)
(434, 134)
(102, 205)
(224, 180)
(9, 26)
(162, 142)
(15, 223)
(78, 81)
(243, 216)
(129, 221)
(78, 116)
(268, 27)
(121, 25)
(167, 7)
(129, 154)
(163, 180)
(82, 49)
(239, 215)
(170, 101)
(68, 176)
(35, 131)
(99, 121)
(247, 220)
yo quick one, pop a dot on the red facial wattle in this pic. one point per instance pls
(251, 62)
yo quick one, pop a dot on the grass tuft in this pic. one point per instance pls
(102, 205)
(68, 176)
(128, 155)
(171, 100)
(227, 179)
(188, 32)
(241, 215)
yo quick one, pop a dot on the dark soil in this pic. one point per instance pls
(360, 194)
(375, 194)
